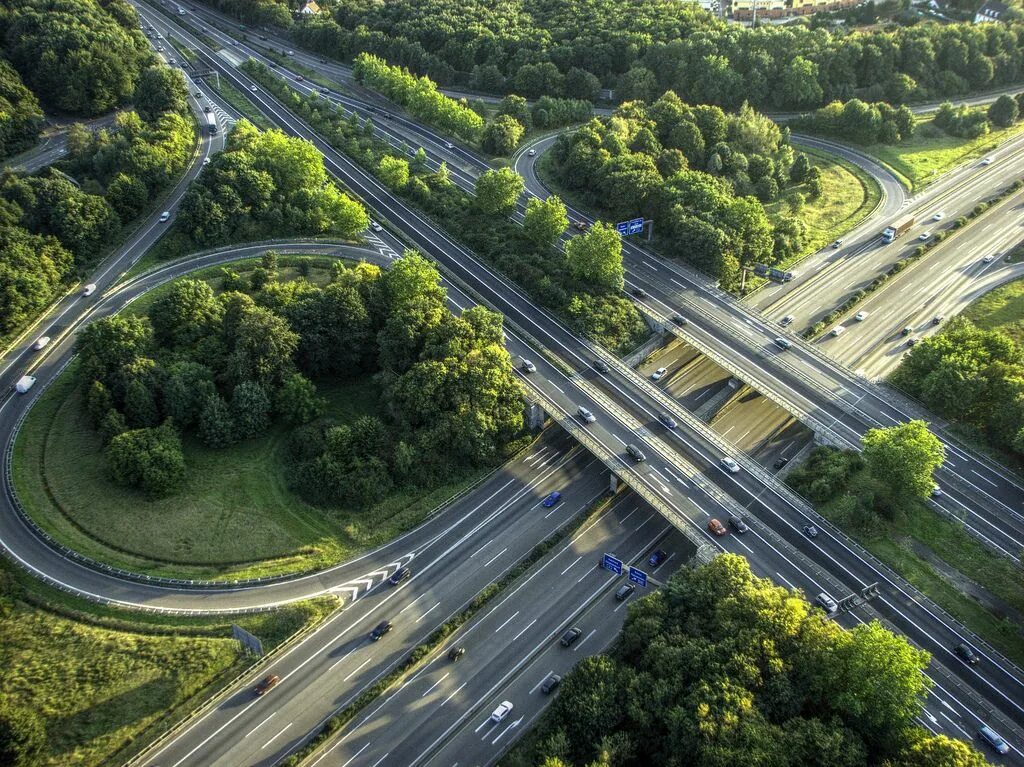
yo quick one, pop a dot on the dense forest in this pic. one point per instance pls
(21, 119)
(723, 668)
(223, 365)
(61, 221)
(83, 57)
(972, 376)
(700, 173)
(641, 48)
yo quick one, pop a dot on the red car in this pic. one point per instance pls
(716, 527)
(267, 683)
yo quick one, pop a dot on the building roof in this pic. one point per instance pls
(992, 9)
(310, 7)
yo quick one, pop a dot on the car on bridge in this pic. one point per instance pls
(966, 654)
(991, 737)
(658, 374)
(267, 683)
(729, 465)
(585, 415)
(716, 527)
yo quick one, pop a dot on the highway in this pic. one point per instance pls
(663, 461)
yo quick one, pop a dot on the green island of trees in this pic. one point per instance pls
(21, 119)
(700, 173)
(721, 667)
(481, 223)
(52, 230)
(79, 56)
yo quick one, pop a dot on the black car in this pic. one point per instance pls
(667, 420)
(550, 684)
(455, 653)
(601, 366)
(639, 292)
(810, 531)
(636, 453)
(382, 628)
(679, 319)
(400, 575)
(780, 463)
(738, 524)
(624, 591)
(966, 654)
(571, 636)
(657, 557)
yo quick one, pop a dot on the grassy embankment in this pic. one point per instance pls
(235, 516)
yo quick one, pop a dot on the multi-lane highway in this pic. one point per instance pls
(635, 412)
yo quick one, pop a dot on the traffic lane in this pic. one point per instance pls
(430, 237)
(474, 741)
(690, 377)
(537, 608)
(332, 657)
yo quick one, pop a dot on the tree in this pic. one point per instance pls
(22, 735)
(107, 345)
(394, 171)
(498, 191)
(545, 220)
(297, 400)
(250, 409)
(515, 107)
(184, 314)
(160, 89)
(594, 259)
(939, 751)
(1004, 111)
(798, 170)
(502, 136)
(216, 427)
(904, 457)
(263, 348)
(148, 459)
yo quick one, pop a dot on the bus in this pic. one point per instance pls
(211, 123)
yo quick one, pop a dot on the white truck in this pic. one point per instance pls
(894, 230)
(24, 384)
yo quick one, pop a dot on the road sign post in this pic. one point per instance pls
(633, 226)
(639, 577)
(612, 563)
(249, 641)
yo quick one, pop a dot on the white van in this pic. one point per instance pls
(24, 384)
(89, 289)
(838, 330)
(41, 342)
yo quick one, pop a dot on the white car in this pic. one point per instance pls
(827, 603)
(41, 342)
(291, 53)
(987, 161)
(586, 415)
(253, 88)
(838, 330)
(658, 374)
(988, 259)
(449, 145)
(532, 153)
(206, 161)
(924, 236)
(501, 712)
(376, 227)
(937, 491)
(165, 217)
(860, 316)
(938, 216)
(729, 465)
(89, 289)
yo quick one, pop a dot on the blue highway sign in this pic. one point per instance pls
(633, 226)
(638, 577)
(613, 564)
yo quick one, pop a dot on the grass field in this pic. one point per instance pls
(848, 194)
(930, 152)
(235, 517)
(891, 543)
(102, 692)
(1001, 309)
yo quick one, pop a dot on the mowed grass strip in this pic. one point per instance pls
(103, 692)
(930, 152)
(1001, 309)
(234, 517)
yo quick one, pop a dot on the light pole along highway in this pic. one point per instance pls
(909, 611)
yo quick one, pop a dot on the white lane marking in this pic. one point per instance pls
(417, 599)
(454, 693)
(481, 549)
(357, 753)
(489, 561)
(506, 622)
(524, 630)
(377, 763)
(260, 725)
(570, 567)
(276, 736)
(542, 680)
(356, 669)
(983, 479)
(435, 684)
(592, 632)
(784, 580)
(428, 612)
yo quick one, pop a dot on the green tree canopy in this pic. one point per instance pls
(904, 457)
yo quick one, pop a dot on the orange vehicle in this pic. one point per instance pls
(267, 683)
(716, 527)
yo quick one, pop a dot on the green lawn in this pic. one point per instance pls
(930, 152)
(890, 542)
(848, 194)
(1001, 309)
(235, 517)
(103, 691)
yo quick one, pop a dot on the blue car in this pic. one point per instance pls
(552, 499)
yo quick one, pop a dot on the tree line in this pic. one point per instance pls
(21, 119)
(972, 376)
(83, 57)
(721, 667)
(528, 255)
(58, 223)
(699, 173)
(640, 48)
(262, 185)
(224, 365)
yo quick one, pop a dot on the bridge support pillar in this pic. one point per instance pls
(827, 439)
(535, 416)
(613, 482)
